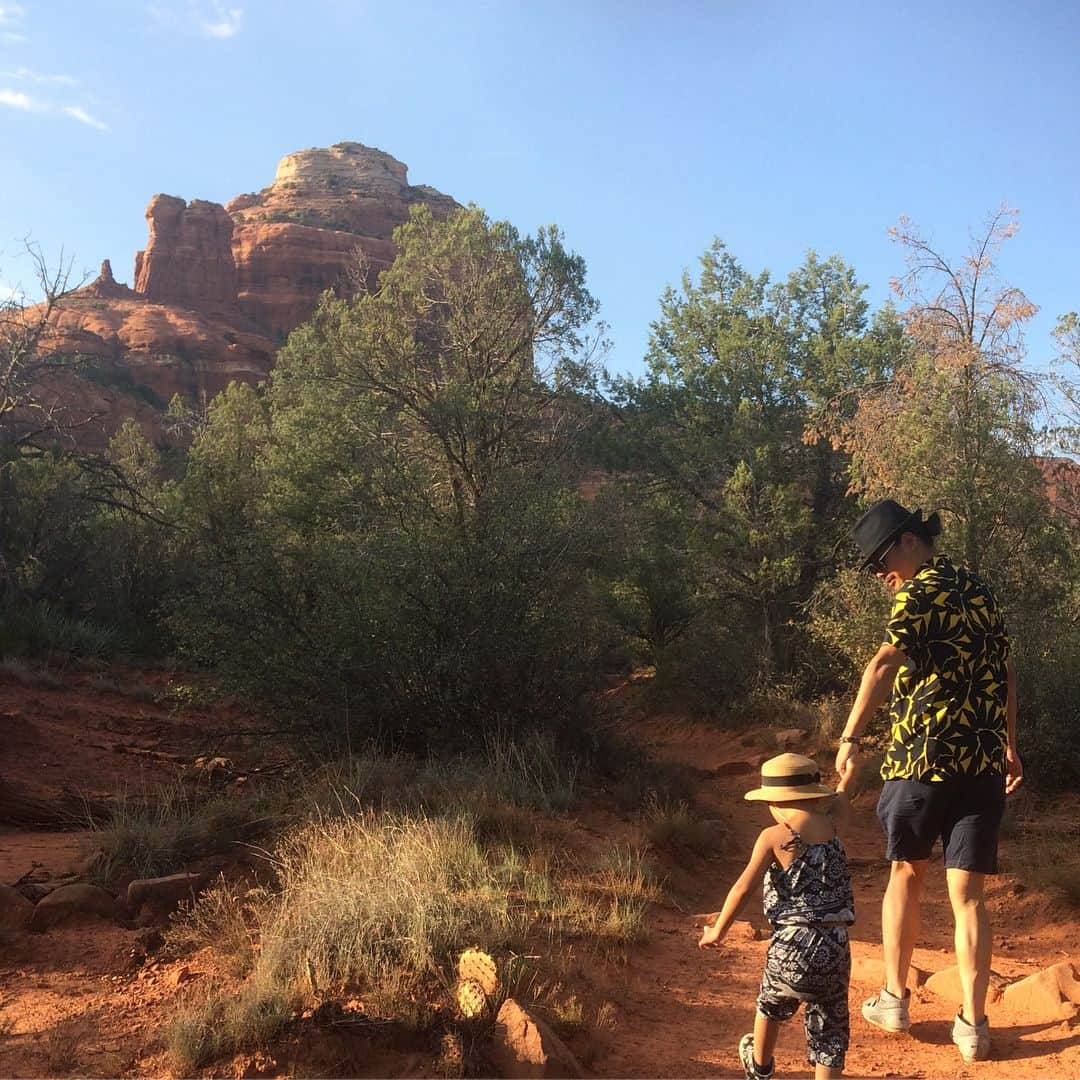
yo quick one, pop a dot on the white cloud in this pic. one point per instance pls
(76, 112)
(10, 13)
(24, 74)
(16, 99)
(209, 18)
(222, 23)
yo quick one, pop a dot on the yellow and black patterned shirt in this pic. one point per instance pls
(950, 698)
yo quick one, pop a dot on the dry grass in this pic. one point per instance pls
(381, 903)
(226, 919)
(222, 1022)
(675, 824)
(162, 836)
(399, 867)
(375, 896)
(1043, 845)
(607, 905)
(106, 682)
(62, 1045)
(27, 674)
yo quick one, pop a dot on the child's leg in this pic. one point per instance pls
(828, 1027)
(766, 1032)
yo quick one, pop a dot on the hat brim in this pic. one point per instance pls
(789, 794)
(915, 515)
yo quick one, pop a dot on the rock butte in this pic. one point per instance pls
(219, 288)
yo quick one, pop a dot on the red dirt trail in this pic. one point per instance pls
(686, 1009)
(71, 1002)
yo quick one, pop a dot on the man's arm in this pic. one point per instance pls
(1014, 768)
(874, 689)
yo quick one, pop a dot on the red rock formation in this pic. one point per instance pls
(1062, 476)
(188, 261)
(295, 238)
(217, 289)
(284, 269)
(105, 286)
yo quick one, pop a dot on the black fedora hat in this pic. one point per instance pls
(884, 521)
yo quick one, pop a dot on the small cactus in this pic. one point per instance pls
(479, 967)
(471, 998)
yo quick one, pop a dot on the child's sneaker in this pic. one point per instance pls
(888, 1011)
(750, 1066)
(972, 1039)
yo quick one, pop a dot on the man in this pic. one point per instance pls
(952, 757)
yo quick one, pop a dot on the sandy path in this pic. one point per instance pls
(685, 1010)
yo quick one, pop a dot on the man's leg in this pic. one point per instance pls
(974, 944)
(900, 921)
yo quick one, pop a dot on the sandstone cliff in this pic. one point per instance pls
(218, 288)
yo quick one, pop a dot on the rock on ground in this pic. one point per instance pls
(525, 1047)
(15, 909)
(159, 896)
(790, 739)
(1050, 994)
(946, 984)
(871, 971)
(70, 900)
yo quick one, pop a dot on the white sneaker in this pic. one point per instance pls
(972, 1039)
(750, 1066)
(888, 1011)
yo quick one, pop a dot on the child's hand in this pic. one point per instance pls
(710, 935)
(847, 773)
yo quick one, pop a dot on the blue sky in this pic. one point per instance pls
(643, 130)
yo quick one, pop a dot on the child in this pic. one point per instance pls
(809, 902)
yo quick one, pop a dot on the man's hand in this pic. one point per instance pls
(1014, 770)
(846, 772)
(710, 935)
(845, 758)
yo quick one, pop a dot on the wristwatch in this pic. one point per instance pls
(854, 739)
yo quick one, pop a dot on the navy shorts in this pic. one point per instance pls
(965, 812)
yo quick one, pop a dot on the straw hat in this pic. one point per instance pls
(789, 777)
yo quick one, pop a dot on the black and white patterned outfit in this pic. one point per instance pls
(810, 905)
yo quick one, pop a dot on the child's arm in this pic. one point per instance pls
(755, 869)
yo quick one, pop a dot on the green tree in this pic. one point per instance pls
(391, 538)
(954, 428)
(736, 368)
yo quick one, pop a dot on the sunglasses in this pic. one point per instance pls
(877, 564)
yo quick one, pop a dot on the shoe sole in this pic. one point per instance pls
(973, 1055)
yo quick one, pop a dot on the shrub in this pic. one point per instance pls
(225, 918)
(673, 823)
(33, 629)
(390, 541)
(384, 901)
(224, 1022)
(160, 835)
(1049, 695)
